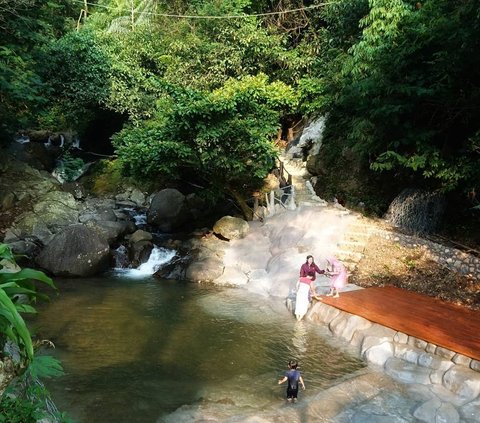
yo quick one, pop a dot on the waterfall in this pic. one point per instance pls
(158, 257)
(139, 216)
(76, 143)
(23, 139)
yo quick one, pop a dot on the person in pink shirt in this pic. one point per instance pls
(339, 275)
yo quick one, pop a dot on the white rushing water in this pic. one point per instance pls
(158, 257)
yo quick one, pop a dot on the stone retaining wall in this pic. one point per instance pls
(453, 259)
(453, 379)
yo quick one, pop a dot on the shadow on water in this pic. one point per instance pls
(137, 350)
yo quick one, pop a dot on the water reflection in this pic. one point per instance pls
(137, 350)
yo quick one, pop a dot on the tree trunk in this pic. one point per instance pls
(240, 200)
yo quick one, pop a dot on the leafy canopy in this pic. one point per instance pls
(221, 137)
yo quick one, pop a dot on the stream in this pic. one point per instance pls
(136, 349)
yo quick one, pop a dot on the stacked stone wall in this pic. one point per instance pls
(454, 378)
(452, 258)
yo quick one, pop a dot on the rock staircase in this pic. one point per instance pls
(304, 192)
(350, 250)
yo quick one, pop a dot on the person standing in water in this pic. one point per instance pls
(293, 376)
(306, 286)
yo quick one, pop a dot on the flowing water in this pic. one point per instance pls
(137, 349)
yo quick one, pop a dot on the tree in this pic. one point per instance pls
(26, 26)
(223, 139)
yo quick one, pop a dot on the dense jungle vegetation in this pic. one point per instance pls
(200, 87)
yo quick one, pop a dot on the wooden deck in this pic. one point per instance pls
(447, 325)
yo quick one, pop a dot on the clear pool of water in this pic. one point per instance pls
(136, 350)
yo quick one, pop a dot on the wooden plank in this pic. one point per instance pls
(447, 325)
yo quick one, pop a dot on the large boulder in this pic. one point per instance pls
(230, 227)
(75, 251)
(168, 210)
(206, 270)
(416, 210)
(55, 211)
(111, 231)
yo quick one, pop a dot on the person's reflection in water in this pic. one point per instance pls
(299, 339)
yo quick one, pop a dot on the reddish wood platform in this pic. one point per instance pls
(443, 324)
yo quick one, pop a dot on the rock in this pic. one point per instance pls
(111, 231)
(434, 411)
(168, 210)
(7, 200)
(139, 252)
(138, 197)
(378, 354)
(76, 189)
(75, 251)
(140, 235)
(407, 372)
(232, 276)
(463, 382)
(417, 211)
(231, 227)
(206, 270)
(57, 209)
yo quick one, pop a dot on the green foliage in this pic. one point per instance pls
(26, 399)
(13, 282)
(222, 138)
(25, 28)
(71, 167)
(404, 94)
(77, 72)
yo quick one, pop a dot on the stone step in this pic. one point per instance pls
(345, 255)
(355, 246)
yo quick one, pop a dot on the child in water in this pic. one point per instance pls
(294, 377)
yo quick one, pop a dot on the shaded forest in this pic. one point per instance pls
(199, 88)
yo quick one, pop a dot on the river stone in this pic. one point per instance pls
(471, 411)
(433, 362)
(407, 353)
(206, 270)
(406, 372)
(434, 411)
(138, 197)
(140, 235)
(75, 251)
(168, 210)
(338, 324)
(57, 209)
(324, 313)
(29, 226)
(139, 252)
(379, 354)
(232, 276)
(463, 382)
(231, 227)
(111, 231)
(7, 200)
(354, 324)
